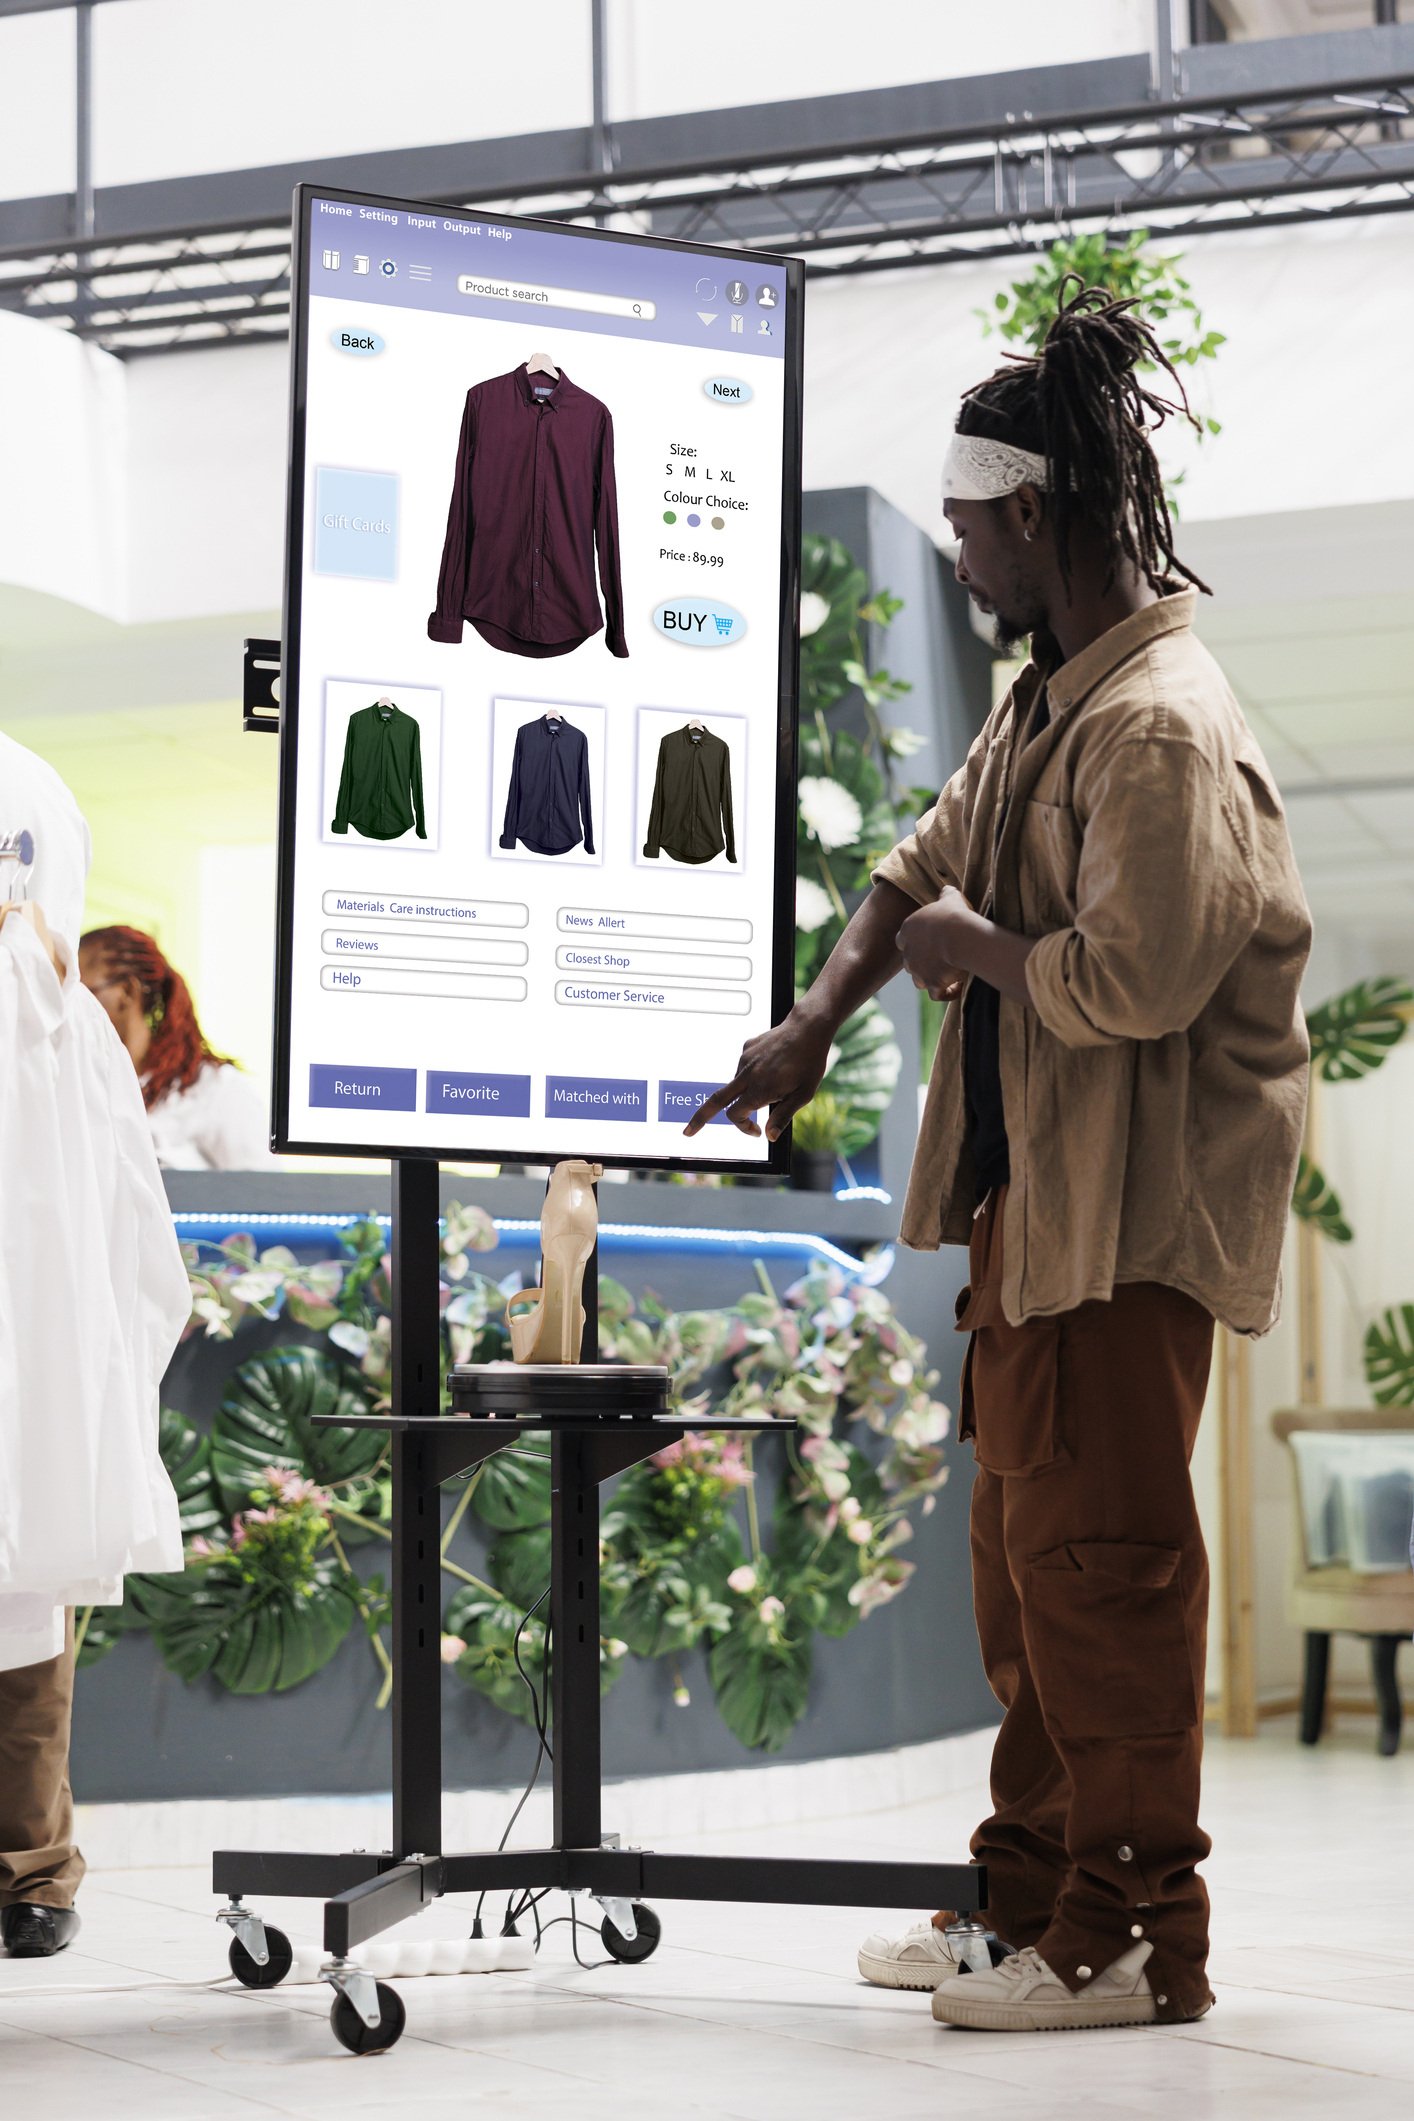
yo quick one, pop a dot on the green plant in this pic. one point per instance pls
(1351, 1035)
(1133, 271)
(822, 1124)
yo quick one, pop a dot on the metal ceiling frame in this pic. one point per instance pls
(1246, 136)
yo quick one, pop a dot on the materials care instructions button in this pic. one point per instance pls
(594, 1097)
(680, 1100)
(437, 912)
(365, 1089)
(484, 1096)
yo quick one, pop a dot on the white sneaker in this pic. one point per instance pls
(1022, 1995)
(921, 1959)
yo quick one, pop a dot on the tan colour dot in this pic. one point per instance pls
(719, 522)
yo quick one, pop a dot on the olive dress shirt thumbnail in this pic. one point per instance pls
(533, 498)
(547, 804)
(380, 788)
(691, 814)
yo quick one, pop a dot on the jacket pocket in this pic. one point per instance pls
(1048, 866)
(1107, 1636)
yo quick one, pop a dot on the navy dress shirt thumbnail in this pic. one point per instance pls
(533, 498)
(547, 805)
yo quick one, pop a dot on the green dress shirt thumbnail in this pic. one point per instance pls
(380, 788)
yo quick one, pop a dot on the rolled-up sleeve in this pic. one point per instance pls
(1165, 898)
(935, 852)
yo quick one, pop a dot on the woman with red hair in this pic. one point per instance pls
(203, 1112)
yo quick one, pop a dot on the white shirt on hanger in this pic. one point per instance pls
(93, 1290)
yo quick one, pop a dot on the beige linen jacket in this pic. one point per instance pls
(1155, 1090)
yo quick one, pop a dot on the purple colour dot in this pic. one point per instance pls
(693, 521)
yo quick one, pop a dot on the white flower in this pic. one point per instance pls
(354, 1340)
(861, 1531)
(814, 610)
(834, 1485)
(770, 1609)
(681, 1697)
(742, 1579)
(616, 1648)
(452, 1648)
(812, 905)
(901, 1371)
(849, 1508)
(829, 811)
(902, 743)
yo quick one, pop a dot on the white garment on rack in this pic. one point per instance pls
(93, 1291)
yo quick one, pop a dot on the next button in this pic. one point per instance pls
(369, 1089)
(485, 1096)
(594, 1097)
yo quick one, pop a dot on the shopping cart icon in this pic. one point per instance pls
(725, 625)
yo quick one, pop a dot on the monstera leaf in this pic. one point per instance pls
(187, 1457)
(1353, 1032)
(1315, 1201)
(513, 1492)
(252, 1638)
(1389, 1357)
(520, 1564)
(761, 1686)
(863, 1074)
(489, 1627)
(267, 1418)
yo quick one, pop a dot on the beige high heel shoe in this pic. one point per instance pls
(547, 1325)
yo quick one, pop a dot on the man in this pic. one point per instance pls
(1107, 889)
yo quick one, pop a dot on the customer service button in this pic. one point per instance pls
(480, 1094)
(594, 1097)
(363, 1089)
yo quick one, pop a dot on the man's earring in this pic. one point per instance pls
(1028, 535)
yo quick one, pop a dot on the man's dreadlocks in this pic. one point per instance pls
(1080, 404)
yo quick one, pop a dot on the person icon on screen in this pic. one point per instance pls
(766, 296)
(763, 329)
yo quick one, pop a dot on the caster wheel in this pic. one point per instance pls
(249, 1974)
(360, 2039)
(631, 1951)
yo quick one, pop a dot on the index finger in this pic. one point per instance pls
(711, 1106)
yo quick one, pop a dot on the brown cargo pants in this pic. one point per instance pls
(1090, 1581)
(38, 1860)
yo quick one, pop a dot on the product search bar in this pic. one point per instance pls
(525, 293)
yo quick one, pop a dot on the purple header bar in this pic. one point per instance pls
(470, 266)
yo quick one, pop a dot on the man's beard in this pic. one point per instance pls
(1008, 633)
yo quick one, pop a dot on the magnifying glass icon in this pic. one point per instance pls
(638, 309)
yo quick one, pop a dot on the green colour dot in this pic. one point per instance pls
(669, 515)
(719, 522)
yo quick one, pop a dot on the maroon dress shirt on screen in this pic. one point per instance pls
(532, 500)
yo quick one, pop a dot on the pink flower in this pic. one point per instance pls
(770, 1609)
(452, 1648)
(860, 1531)
(201, 1549)
(742, 1580)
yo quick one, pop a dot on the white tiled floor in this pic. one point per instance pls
(757, 2013)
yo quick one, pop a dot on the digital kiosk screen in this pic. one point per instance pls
(537, 713)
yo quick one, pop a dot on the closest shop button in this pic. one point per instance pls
(363, 1089)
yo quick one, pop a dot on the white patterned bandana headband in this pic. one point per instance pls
(979, 469)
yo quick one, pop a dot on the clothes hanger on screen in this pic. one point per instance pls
(553, 714)
(384, 701)
(540, 364)
(694, 723)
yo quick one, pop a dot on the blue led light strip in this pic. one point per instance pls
(625, 1237)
